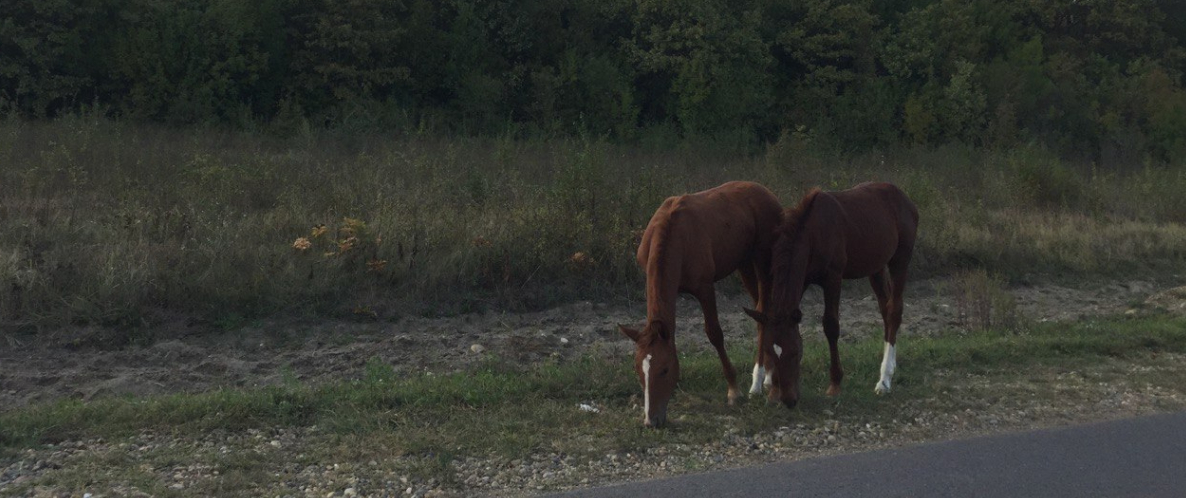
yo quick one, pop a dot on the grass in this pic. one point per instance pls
(511, 413)
(129, 226)
(422, 426)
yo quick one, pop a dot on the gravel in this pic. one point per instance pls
(293, 461)
(191, 465)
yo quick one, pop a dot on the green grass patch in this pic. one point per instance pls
(509, 412)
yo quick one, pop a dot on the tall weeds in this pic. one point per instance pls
(109, 223)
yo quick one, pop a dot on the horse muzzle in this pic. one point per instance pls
(788, 400)
(657, 420)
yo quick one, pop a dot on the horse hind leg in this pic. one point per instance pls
(761, 376)
(712, 328)
(898, 271)
(832, 332)
(884, 293)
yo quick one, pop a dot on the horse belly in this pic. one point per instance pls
(865, 260)
(729, 254)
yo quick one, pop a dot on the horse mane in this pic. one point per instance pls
(786, 235)
(658, 267)
(793, 217)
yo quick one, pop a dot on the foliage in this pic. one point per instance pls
(1100, 80)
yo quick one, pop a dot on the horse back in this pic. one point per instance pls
(708, 234)
(878, 203)
(879, 222)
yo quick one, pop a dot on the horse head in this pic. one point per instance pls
(782, 352)
(657, 366)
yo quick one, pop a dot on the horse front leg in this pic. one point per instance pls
(756, 289)
(712, 328)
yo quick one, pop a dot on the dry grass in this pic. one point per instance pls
(120, 225)
(982, 302)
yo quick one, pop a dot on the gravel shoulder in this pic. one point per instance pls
(312, 461)
(315, 461)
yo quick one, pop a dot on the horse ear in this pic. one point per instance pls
(758, 316)
(629, 332)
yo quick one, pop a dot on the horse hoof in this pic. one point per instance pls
(733, 397)
(881, 388)
(833, 390)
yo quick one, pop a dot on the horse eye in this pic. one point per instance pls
(663, 373)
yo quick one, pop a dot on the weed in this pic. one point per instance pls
(982, 303)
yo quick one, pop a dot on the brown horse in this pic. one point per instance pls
(866, 231)
(691, 242)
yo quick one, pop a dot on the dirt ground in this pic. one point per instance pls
(192, 358)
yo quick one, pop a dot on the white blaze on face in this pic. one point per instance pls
(646, 386)
(889, 361)
(777, 351)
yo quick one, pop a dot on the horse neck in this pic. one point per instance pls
(790, 279)
(663, 277)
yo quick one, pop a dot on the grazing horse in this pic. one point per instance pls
(691, 242)
(866, 231)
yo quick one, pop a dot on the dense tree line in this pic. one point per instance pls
(1102, 77)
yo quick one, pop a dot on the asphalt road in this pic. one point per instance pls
(1143, 457)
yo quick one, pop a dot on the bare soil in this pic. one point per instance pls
(188, 357)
